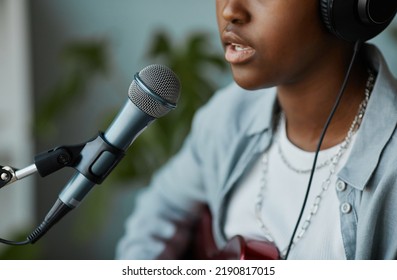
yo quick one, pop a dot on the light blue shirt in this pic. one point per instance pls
(227, 136)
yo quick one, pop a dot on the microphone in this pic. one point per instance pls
(153, 93)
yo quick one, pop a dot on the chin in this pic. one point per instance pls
(252, 85)
(245, 81)
(249, 81)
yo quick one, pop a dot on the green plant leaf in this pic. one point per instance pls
(80, 63)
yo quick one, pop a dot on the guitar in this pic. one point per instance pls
(204, 247)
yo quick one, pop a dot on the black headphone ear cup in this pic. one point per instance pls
(357, 20)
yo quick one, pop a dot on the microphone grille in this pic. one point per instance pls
(155, 90)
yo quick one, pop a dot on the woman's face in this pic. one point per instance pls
(272, 42)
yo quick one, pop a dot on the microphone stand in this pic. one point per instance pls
(44, 164)
(94, 159)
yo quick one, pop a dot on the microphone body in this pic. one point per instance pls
(125, 128)
(152, 94)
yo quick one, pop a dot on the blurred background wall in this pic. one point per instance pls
(16, 113)
(65, 70)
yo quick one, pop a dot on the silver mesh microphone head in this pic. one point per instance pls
(155, 90)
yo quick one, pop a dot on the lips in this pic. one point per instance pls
(237, 51)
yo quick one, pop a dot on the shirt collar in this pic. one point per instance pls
(380, 119)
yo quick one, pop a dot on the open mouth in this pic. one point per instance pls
(237, 53)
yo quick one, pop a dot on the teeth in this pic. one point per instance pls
(240, 48)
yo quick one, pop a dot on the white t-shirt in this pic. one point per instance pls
(283, 199)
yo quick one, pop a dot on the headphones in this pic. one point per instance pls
(357, 20)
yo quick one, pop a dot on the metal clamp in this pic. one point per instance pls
(7, 176)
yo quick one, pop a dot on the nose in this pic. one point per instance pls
(235, 11)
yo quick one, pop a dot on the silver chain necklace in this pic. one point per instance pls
(325, 184)
(295, 169)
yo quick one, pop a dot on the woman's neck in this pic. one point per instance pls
(308, 102)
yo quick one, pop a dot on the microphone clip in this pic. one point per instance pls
(94, 159)
(98, 158)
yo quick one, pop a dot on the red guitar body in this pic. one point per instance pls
(204, 247)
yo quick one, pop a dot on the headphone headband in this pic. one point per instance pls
(357, 20)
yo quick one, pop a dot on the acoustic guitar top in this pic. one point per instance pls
(204, 247)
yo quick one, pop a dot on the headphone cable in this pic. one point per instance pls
(357, 47)
(15, 243)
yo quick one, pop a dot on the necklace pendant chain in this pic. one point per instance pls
(333, 162)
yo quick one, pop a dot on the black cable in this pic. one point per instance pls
(15, 243)
(357, 46)
(59, 210)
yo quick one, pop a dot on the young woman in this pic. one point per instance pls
(250, 153)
